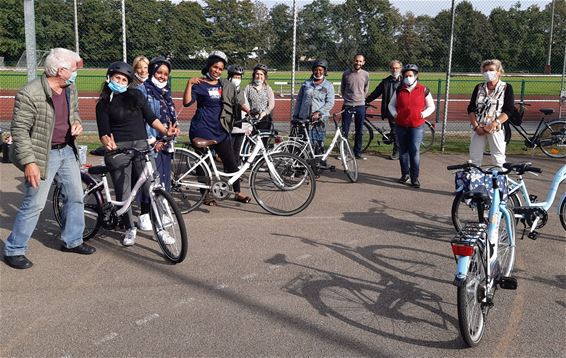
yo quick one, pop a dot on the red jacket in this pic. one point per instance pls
(410, 105)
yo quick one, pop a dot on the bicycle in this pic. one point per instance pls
(484, 252)
(281, 183)
(533, 215)
(300, 144)
(102, 211)
(369, 129)
(549, 136)
(269, 137)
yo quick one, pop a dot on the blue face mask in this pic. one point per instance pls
(117, 88)
(71, 79)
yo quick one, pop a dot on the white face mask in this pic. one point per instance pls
(258, 82)
(318, 78)
(236, 82)
(396, 74)
(489, 76)
(409, 81)
(158, 84)
(211, 77)
(140, 77)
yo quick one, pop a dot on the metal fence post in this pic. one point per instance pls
(294, 57)
(438, 94)
(448, 72)
(29, 19)
(522, 90)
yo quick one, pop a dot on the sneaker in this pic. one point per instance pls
(415, 183)
(130, 237)
(394, 156)
(144, 223)
(359, 157)
(403, 179)
(166, 238)
(166, 221)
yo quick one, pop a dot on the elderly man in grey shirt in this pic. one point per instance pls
(354, 89)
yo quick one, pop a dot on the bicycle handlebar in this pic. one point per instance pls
(520, 168)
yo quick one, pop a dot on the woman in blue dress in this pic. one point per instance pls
(212, 119)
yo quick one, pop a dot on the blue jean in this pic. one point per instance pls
(409, 149)
(63, 167)
(359, 113)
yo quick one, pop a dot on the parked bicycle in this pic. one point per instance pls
(300, 144)
(281, 183)
(549, 135)
(526, 208)
(269, 137)
(101, 210)
(484, 251)
(370, 129)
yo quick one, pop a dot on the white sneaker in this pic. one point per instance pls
(166, 238)
(144, 223)
(165, 221)
(130, 237)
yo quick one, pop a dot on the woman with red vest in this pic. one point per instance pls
(411, 105)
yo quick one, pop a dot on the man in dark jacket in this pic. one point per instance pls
(386, 88)
(44, 126)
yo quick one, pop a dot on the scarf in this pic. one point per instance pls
(167, 112)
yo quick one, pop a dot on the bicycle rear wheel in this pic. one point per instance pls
(168, 226)
(349, 161)
(552, 139)
(562, 214)
(505, 250)
(465, 212)
(92, 208)
(288, 190)
(428, 138)
(185, 181)
(472, 314)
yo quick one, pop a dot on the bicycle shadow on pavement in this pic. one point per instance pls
(381, 218)
(389, 307)
(392, 182)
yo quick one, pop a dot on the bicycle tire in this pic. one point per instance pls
(172, 222)
(297, 182)
(92, 208)
(505, 251)
(248, 147)
(300, 149)
(183, 183)
(562, 213)
(463, 213)
(367, 135)
(428, 138)
(472, 314)
(349, 161)
(552, 139)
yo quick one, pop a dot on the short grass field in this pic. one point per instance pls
(90, 80)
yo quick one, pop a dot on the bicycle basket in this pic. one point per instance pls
(476, 181)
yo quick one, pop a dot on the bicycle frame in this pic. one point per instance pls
(532, 138)
(519, 185)
(207, 158)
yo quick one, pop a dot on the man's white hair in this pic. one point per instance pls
(59, 58)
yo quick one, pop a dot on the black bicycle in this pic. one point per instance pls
(549, 136)
(369, 129)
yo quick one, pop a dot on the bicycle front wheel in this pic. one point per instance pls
(472, 313)
(285, 189)
(552, 139)
(428, 138)
(349, 161)
(505, 248)
(92, 208)
(562, 213)
(168, 226)
(464, 212)
(187, 180)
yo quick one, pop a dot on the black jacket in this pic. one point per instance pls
(386, 88)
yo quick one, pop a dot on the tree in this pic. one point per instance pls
(281, 21)
(100, 32)
(12, 34)
(315, 31)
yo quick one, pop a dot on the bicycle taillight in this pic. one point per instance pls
(278, 139)
(461, 249)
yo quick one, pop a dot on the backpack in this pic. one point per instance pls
(516, 116)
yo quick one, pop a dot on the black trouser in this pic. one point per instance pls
(226, 153)
(237, 140)
(393, 136)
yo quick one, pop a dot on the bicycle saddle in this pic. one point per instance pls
(546, 111)
(203, 143)
(296, 122)
(98, 170)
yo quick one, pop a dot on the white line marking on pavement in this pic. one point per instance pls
(146, 319)
(274, 267)
(352, 242)
(220, 286)
(303, 257)
(106, 338)
(249, 277)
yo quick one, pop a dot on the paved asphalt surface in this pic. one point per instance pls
(366, 270)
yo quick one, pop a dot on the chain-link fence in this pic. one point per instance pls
(254, 31)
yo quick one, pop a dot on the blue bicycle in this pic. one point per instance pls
(485, 249)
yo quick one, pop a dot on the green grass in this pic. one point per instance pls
(91, 80)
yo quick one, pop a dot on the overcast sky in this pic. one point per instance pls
(428, 7)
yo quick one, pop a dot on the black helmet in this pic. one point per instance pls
(320, 63)
(235, 70)
(218, 55)
(156, 62)
(261, 66)
(121, 67)
(410, 67)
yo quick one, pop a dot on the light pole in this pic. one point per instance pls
(124, 54)
(29, 20)
(547, 68)
(76, 27)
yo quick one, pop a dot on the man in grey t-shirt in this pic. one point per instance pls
(354, 90)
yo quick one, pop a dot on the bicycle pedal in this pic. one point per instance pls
(332, 168)
(508, 283)
(533, 197)
(533, 235)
